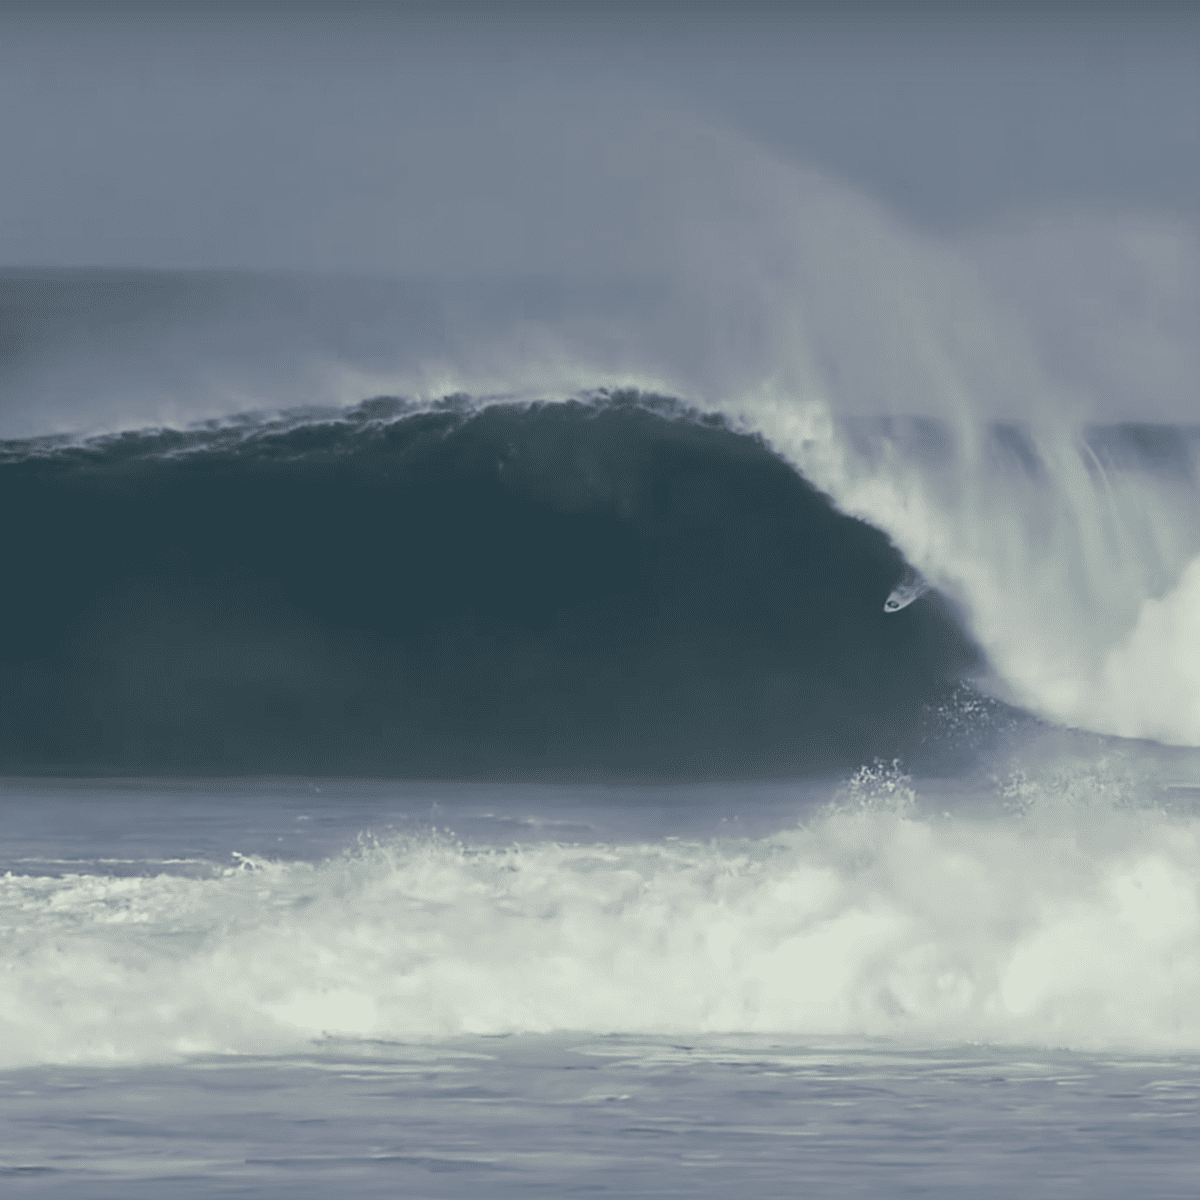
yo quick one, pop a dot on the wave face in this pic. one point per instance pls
(1013, 407)
(1068, 916)
(612, 586)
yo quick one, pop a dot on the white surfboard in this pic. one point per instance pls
(912, 586)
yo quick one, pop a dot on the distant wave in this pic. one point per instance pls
(617, 584)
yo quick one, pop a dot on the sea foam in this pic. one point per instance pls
(1068, 917)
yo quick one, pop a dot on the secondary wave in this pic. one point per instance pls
(1070, 919)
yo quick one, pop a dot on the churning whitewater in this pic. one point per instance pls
(1067, 915)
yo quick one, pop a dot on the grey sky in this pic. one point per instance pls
(477, 139)
(925, 208)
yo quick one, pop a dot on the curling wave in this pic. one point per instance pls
(611, 585)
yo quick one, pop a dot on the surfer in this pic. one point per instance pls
(912, 586)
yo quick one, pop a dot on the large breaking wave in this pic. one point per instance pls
(613, 585)
(1008, 408)
(616, 583)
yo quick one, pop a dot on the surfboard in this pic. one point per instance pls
(912, 586)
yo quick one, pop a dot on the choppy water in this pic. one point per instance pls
(621, 1115)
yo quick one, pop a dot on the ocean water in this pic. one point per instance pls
(523, 790)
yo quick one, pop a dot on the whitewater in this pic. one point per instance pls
(1071, 920)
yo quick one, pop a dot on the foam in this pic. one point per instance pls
(1080, 584)
(1069, 918)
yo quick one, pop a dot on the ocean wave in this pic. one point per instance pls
(1011, 407)
(615, 584)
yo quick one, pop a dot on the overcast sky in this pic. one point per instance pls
(452, 139)
(929, 208)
